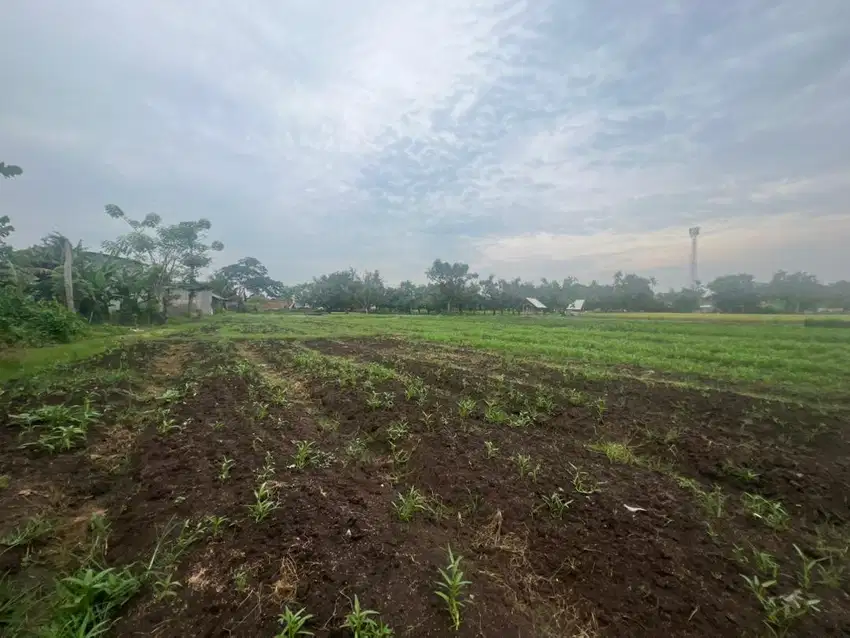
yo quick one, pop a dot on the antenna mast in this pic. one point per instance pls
(694, 233)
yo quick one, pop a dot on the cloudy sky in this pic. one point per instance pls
(527, 138)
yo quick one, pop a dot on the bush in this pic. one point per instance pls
(827, 323)
(35, 323)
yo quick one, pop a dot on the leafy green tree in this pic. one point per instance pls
(452, 282)
(735, 293)
(371, 293)
(246, 278)
(797, 291)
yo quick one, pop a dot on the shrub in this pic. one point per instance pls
(35, 323)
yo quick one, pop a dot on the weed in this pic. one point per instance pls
(543, 401)
(362, 624)
(616, 452)
(217, 425)
(739, 472)
(466, 406)
(264, 502)
(240, 580)
(521, 420)
(450, 588)
(781, 611)
(494, 413)
(357, 449)
(224, 468)
(556, 504)
(35, 528)
(406, 505)
(773, 513)
(491, 449)
(583, 482)
(293, 623)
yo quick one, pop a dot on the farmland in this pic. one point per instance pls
(581, 476)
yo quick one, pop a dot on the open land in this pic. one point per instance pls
(595, 476)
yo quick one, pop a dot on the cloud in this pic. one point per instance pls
(383, 134)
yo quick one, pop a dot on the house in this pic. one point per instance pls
(534, 305)
(203, 300)
(576, 306)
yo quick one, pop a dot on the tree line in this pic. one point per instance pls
(454, 287)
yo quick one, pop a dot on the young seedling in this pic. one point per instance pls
(494, 413)
(522, 420)
(406, 505)
(491, 449)
(556, 504)
(544, 402)
(305, 454)
(261, 409)
(35, 528)
(362, 624)
(466, 406)
(600, 408)
(293, 623)
(712, 501)
(524, 466)
(216, 524)
(583, 482)
(167, 426)
(165, 586)
(781, 612)
(224, 468)
(264, 502)
(380, 400)
(616, 452)
(804, 578)
(398, 430)
(415, 390)
(450, 588)
(575, 398)
(773, 513)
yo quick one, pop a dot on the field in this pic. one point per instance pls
(569, 476)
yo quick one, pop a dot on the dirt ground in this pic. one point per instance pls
(654, 536)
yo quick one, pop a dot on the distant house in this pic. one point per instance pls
(576, 306)
(534, 305)
(204, 301)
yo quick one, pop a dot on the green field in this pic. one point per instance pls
(762, 355)
(789, 361)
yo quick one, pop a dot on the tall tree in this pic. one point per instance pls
(451, 280)
(248, 277)
(735, 293)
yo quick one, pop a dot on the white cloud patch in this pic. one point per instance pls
(384, 133)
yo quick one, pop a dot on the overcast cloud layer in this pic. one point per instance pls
(529, 139)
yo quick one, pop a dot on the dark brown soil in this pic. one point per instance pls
(602, 568)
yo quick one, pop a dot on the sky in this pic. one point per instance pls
(536, 138)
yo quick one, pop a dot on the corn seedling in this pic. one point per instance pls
(544, 402)
(804, 578)
(305, 454)
(240, 580)
(165, 587)
(772, 513)
(398, 430)
(466, 406)
(216, 524)
(356, 449)
(261, 410)
(380, 400)
(491, 449)
(167, 425)
(494, 413)
(712, 501)
(780, 612)
(600, 408)
(35, 528)
(583, 482)
(87, 601)
(264, 502)
(407, 505)
(524, 466)
(415, 390)
(764, 562)
(556, 504)
(521, 420)
(575, 398)
(293, 623)
(450, 588)
(363, 624)
(224, 468)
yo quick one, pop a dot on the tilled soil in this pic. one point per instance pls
(633, 553)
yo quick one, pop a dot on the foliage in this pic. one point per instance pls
(362, 623)
(246, 278)
(293, 623)
(35, 323)
(450, 588)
